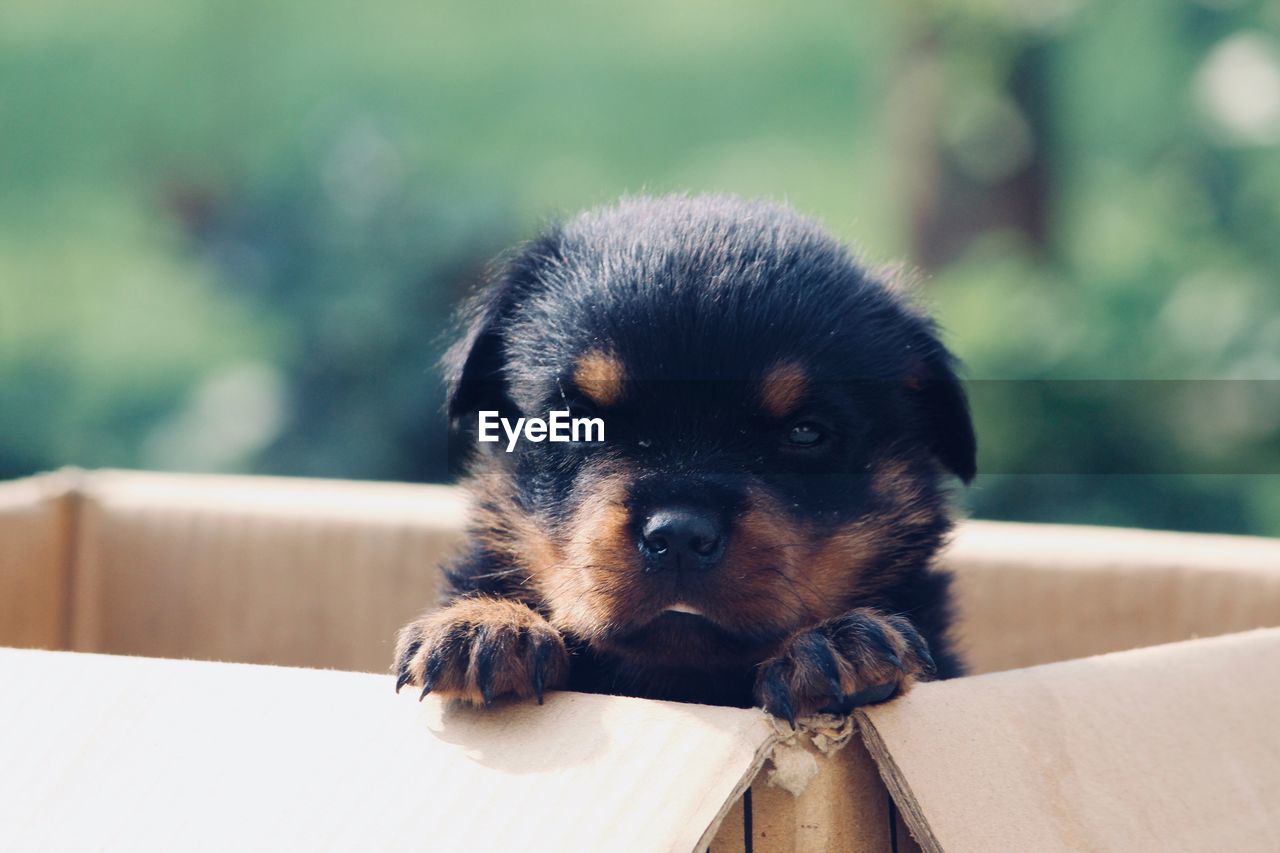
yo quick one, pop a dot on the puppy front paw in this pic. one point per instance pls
(478, 649)
(859, 658)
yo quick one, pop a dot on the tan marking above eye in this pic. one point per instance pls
(601, 376)
(782, 388)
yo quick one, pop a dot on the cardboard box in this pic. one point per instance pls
(1170, 746)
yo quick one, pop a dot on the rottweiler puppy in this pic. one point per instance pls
(759, 523)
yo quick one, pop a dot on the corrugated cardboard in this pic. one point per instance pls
(322, 573)
(36, 537)
(137, 754)
(1173, 747)
(259, 570)
(1035, 593)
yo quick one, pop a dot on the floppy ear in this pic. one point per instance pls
(943, 408)
(472, 366)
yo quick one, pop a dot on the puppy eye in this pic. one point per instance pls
(806, 434)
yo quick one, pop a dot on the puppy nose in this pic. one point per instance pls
(683, 539)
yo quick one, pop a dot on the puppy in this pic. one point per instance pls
(759, 523)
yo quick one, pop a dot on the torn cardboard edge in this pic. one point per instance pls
(794, 764)
(786, 759)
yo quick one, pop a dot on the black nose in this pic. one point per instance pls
(682, 539)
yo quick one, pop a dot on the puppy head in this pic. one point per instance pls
(777, 426)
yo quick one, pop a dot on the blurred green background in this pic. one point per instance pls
(231, 232)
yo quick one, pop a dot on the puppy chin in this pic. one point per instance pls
(681, 636)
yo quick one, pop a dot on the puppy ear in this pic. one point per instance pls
(943, 407)
(473, 365)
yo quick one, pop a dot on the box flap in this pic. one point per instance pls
(1172, 747)
(131, 753)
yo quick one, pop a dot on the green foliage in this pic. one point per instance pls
(230, 232)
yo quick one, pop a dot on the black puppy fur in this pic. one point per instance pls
(759, 386)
